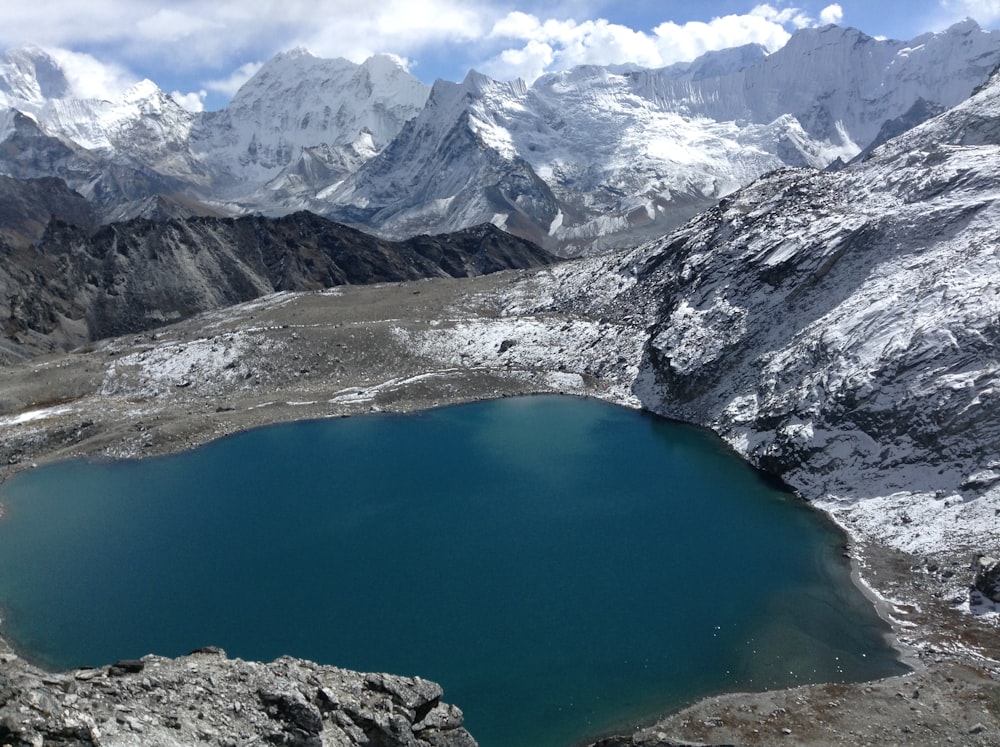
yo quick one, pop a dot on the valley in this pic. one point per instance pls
(352, 351)
(832, 311)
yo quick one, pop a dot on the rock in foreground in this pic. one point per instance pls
(207, 698)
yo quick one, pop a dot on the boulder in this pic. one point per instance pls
(987, 580)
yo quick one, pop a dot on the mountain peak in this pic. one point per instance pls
(31, 74)
(293, 53)
(806, 39)
(965, 26)
(716, 63)
(383, 65)
(479, 84)
(144, 89)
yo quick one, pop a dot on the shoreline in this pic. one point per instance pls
(318, 356)
(828, 555)
(905, 653)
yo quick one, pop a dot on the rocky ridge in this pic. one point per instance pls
(76, 286)
(207, 698)
(595, 157)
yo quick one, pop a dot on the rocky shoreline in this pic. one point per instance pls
(390, 347)
(208, 698)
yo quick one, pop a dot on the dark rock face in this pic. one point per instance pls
(206, 698)
(27, 206)
(987, 580)
(76, 286)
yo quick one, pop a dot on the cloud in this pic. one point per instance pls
(90, 78)
(403, 27)
(190, 34)
(231, 84)
(560, 44)
(783, 17)
(172, 25)
(193, 102)
(564, 44)
(831, 14)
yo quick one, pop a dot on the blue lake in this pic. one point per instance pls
(563, 567)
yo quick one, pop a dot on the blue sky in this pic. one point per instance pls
(202, 51)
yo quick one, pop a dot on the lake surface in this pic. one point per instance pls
(561, 566)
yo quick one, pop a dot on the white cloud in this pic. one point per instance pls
(358, 30)
(685, 42)
(172, 25)
(231, 84)
(831, 14)
(528, 63)
(189, 34)
(565, 44)
(556, 44)
(193, 102)
(90, 78)
(783, 17)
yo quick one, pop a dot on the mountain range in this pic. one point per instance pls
(580, 161)
(66, 281)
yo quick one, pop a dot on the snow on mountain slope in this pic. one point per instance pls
(109, 151)
(627, 155)
(299, 109)
(30, 75)
(144, 122)
(581, 161)
(843, 330)
(300, 120)
(455, 164)
(839, 83)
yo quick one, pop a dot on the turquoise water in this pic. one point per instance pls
(562, 566)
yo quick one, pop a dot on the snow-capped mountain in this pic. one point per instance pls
(302, 121)
(617, 156)
(591, 158)
(299, 119)
(838, 328)
(841, 329)
(29, 76)
(109, 151)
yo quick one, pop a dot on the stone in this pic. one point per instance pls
(126, 666)
(292, 708)
(206, 697)
(210, 650)
(987, 579)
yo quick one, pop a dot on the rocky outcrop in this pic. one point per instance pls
(987, 580)
(76, 286)
(27, 206)
(841, 330)
(207, 698)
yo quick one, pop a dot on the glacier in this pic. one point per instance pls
(581, 161)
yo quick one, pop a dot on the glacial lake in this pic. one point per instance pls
(563, 567)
